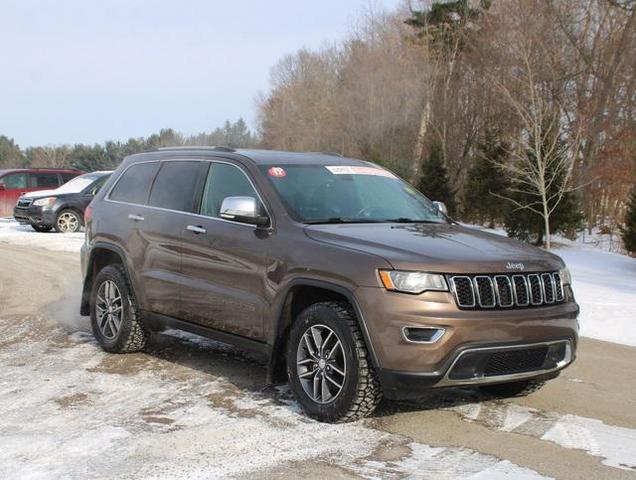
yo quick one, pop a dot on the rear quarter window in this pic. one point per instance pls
(134, 184)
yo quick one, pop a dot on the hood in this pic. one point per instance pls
(438, 247)
(39, 194)
(46, 193)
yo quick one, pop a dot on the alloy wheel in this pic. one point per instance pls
(321, 364)
(67, 222)
(109, 309)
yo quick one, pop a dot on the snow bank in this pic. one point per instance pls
(14, 233)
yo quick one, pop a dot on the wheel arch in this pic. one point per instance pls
(101, 255)
(299, 294)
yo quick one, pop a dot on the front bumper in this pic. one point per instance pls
(33, 215)
(474, 366)
(406, 368)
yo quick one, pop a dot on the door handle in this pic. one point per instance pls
(196, 229)
(136, 218)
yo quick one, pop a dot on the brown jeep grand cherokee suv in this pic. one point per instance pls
(348, 281)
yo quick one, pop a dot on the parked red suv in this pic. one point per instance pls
(16, 182)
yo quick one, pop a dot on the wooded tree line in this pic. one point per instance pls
(110, 154)
(513, 112)
(519, 111)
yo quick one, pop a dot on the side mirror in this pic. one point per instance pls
(441, 206)
(244, 210)
(2, 187)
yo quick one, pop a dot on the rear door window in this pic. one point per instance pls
(15, 181)
(178, 185)
(134, 184)
(43, 180)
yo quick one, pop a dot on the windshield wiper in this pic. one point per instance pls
(321, 221)
(409, 220)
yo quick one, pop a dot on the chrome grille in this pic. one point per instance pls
(507, 291)
(24, 202)
(536, 292)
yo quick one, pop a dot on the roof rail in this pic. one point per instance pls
(334, 154)
(197, 147)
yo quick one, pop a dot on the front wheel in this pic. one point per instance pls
(68, 221)
(328, 365)
(115, 316)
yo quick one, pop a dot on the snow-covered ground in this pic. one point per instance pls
(12, 232)
(190, 408)
(604, 282)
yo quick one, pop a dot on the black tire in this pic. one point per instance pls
(360, 391)
(42, 228)
(70, 218)
(132, 334)
(514, 389)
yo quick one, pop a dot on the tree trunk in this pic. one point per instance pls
(420, 142)
(546, 219)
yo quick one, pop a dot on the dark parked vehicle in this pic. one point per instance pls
(61, 209)
(17, 182)
(348, 281)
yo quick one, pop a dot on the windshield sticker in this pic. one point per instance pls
(277, 172)
(351, 170)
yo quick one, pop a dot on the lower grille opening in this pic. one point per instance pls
(515, 361)
(486, 363)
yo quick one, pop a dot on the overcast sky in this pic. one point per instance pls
(88, 71)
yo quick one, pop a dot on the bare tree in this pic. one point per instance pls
(540, 158)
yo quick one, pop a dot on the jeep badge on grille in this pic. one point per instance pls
(515, 266)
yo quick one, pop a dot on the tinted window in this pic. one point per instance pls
(224, 181)
(67, 176)
(178, 185)
(134, 184)
(43, 180)
(15, 181)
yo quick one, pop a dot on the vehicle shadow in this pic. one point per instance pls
(245, 372)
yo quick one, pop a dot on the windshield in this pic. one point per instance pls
(349, 194)
(78, 183)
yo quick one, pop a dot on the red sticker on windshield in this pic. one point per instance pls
(277, 172)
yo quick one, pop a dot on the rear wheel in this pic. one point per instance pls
(42, 228)
(115, 316)
(68, 221)
(514, 389)
(328, 364)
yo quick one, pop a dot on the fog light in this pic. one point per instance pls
(422, 334)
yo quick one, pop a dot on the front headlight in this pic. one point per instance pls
(566, 278)
(412, 282)
(44, 202)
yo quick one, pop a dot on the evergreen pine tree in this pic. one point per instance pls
(434, 182)
(629, 229)
(486, 181)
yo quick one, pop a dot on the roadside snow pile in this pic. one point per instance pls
(12, 232)
(605, 287)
